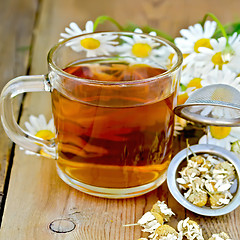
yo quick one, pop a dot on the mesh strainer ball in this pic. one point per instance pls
(216, 104)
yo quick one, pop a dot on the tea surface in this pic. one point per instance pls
(114, 71)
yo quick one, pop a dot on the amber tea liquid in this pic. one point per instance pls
(113, 136)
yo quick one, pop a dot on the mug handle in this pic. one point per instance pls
(16, 86)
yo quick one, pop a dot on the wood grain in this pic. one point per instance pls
(16, 28)
(37, 197)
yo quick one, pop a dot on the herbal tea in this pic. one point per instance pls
(110, 135)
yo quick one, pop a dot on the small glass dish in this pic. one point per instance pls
(178, 162)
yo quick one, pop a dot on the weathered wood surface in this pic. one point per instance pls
(36, 197)
(16, 30)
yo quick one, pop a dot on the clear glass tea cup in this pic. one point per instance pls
(113, 95)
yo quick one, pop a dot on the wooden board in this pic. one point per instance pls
(16, 30)
(37, 198)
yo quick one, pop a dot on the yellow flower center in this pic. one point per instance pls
(218, 60)
(90, 43)
(219, 132)
(45, 134)
(140, 65)
(170, 57)
(182, 98)
(141, 50)
(203, 42)
(195, 82)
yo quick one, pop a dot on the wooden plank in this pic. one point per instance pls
(17, 20)
(37, 198)
(172, 15)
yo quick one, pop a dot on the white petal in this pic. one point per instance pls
(34, 121)
(65, 35)
(89, 27)
(30, 128)
(209, 28)
(153, 33)
(127, 39)
(43, 120)
(138, 30)
(187, 34)
(75, 27)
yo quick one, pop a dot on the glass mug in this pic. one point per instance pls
(113, 95)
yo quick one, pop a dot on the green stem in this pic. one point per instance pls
(218, 23)
(102, 19)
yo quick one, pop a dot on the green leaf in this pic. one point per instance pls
(183, 88)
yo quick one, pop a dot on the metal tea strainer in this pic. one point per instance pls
(216, 104)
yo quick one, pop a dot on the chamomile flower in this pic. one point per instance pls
(190, 83)
(184, 95)
(192, 39)
(96, 45)
(74, 30)
(224, 76)
(141, 47)
(221, 54)
(190, 229)
(133, 61)
(39, 127)
(233, 52)
(221, 136)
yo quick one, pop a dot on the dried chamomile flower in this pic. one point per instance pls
(220, 236)
(198, 159)
(148, 222)
(223, 170)
(207, 181)
(205, 167)
(197, 184)
(158, 217)
(151, 220)
(190, 172)
(198, 198)
(187, 181)
(223, 185)
(186, 229)
(212, 160)
(183, 183)
(190, 229)
(210, 185)
(220, 199)
(168, 237)
(164, 231)
(162, 209)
